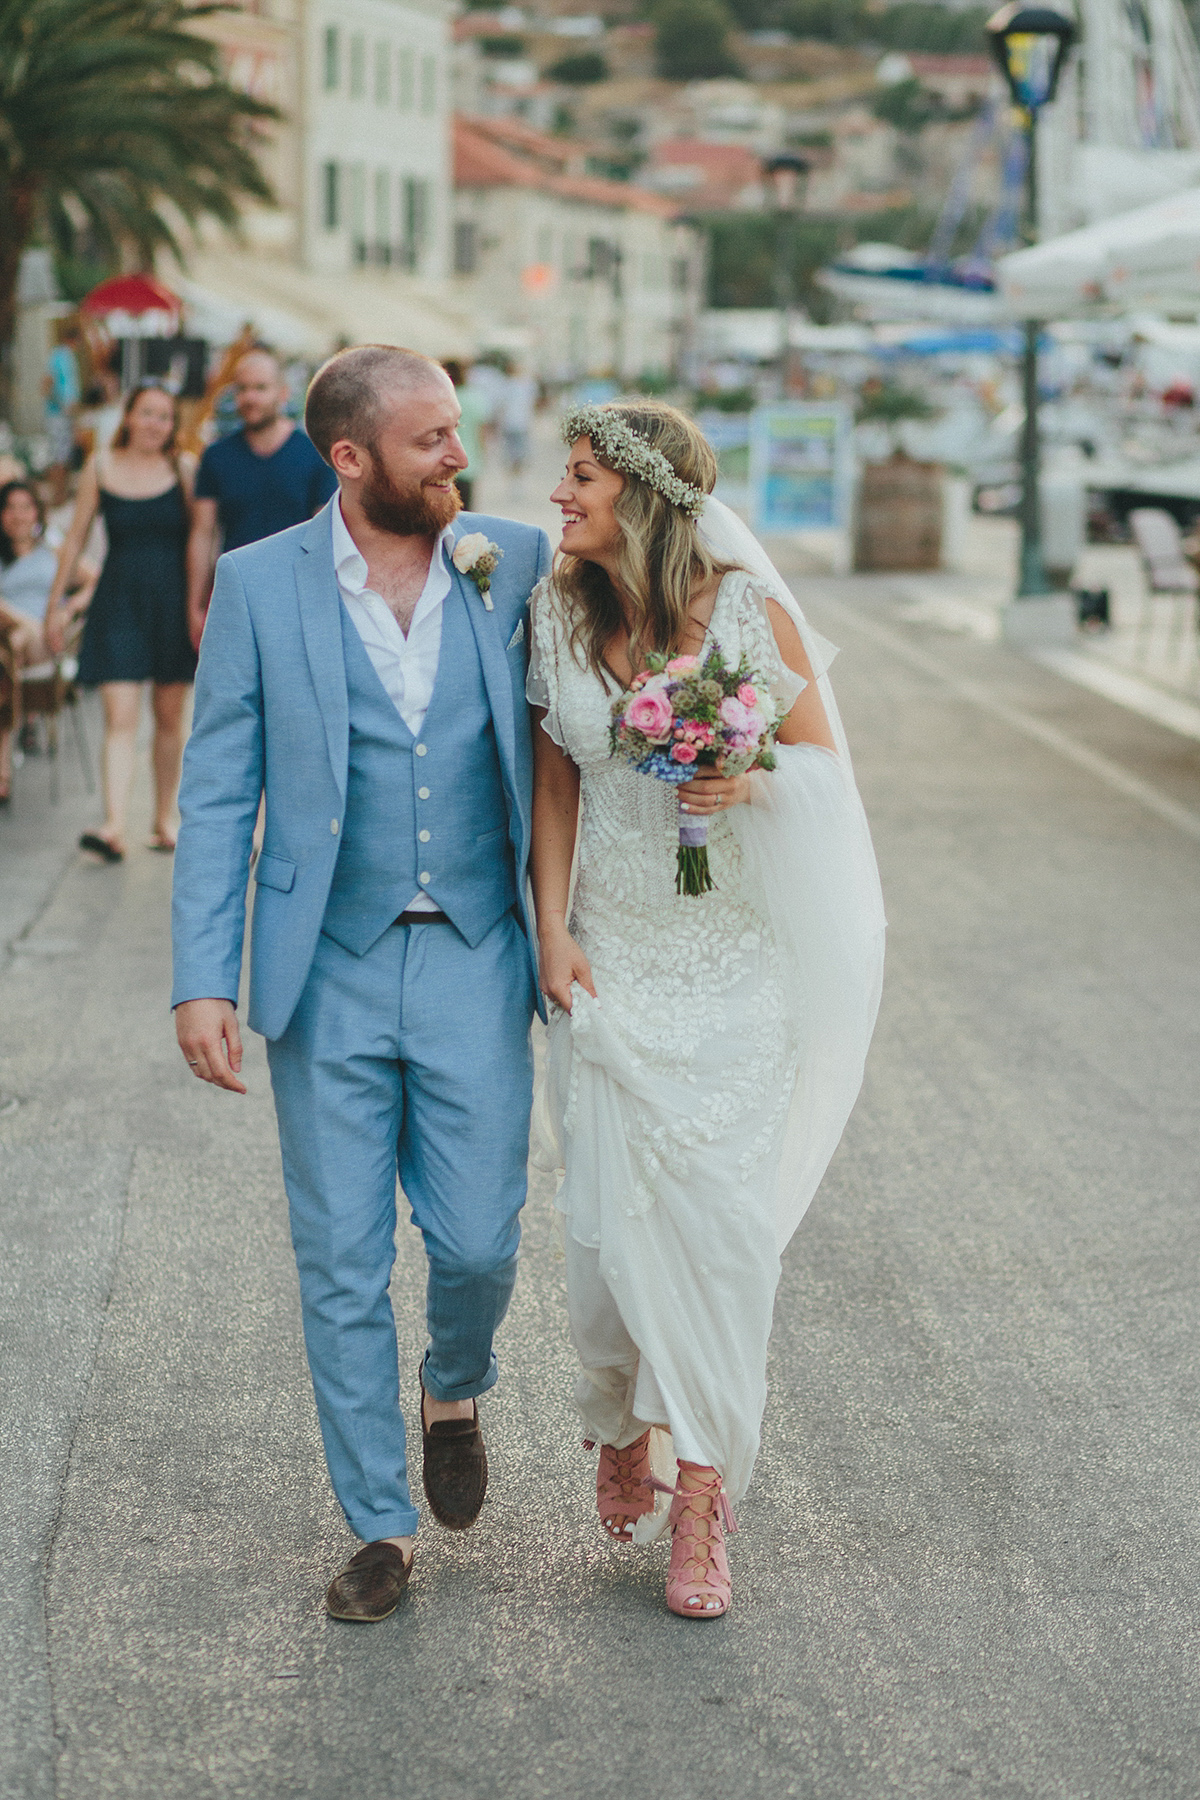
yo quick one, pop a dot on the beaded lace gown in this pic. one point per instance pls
(672, 1095)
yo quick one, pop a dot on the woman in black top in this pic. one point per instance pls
(137, 622)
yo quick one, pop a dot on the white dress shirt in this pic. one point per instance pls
(406, 666)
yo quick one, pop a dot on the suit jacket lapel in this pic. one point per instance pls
(495, 674)
(321, 621)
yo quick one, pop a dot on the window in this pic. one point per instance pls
(333, 58)
(358, 211)
(358, 66)
(330, 195)
(603, 259)
(428, 85)
(383, 74)
(466, 247)
(383, 216)
(405, 84)
(414, 221)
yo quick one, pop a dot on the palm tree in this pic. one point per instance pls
(114, 115)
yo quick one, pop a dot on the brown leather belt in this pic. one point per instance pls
(421, 918)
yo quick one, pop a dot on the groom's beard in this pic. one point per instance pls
(408, 512)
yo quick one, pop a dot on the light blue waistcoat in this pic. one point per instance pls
(272, 715)
(421, 814)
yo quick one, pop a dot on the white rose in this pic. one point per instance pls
(468, 550)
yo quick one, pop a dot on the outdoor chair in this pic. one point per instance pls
(1160, 543)
(1169, 575)
(10, 687)
(45, 691)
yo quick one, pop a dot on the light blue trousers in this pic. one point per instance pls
(415, 1057)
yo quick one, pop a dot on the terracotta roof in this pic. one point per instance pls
(479, 161)
(517, 135)
(720, 162)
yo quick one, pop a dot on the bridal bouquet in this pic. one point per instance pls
(682, 715)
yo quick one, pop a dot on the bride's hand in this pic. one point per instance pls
(712, 793)
(562, 962)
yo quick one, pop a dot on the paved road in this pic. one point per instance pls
(967, 1567)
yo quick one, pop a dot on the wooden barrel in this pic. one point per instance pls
(899, 524)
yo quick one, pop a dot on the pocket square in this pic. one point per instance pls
(518, 636)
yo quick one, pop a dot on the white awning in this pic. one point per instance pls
(1146, 258)
(307, 314)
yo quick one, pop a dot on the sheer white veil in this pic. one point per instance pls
(809, 862)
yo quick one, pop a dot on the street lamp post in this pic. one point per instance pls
(1031, 44)
(786, 174)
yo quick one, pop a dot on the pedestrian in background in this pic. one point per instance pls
(63, 389)
(28, 561)
(254, 482)
(517, 401)
(476, 411)
(137, 622)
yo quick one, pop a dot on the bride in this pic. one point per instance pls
(704, 1053)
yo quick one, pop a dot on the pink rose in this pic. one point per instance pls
(679, 665)
(734, 714)
(650, 712)
(683, 753)
(747, 695)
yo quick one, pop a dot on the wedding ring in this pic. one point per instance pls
(193, 1062)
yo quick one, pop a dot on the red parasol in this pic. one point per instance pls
(131, 294)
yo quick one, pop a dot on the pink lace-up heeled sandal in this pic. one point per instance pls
(698, 1580)
(623, 1491)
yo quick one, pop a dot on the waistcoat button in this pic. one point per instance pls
(424, 878)
(422, 749)
(424, 836)
(422, 793)
(333, 826)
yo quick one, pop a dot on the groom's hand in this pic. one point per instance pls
(209, 1038)
(562, 963)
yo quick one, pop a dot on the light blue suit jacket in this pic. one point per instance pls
(271, 714)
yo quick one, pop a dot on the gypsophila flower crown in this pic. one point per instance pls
(620, 445)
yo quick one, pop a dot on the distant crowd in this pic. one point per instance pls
(107, 554)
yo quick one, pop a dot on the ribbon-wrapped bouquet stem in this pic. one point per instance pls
(684, 714)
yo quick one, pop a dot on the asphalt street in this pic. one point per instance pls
(967, 1566)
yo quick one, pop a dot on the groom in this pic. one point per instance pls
(354, 670)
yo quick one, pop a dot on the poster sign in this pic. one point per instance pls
(801, 467)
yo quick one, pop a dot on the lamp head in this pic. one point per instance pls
(786, 173)
(1031, 43)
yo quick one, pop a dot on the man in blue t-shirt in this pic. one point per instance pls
(257, 481)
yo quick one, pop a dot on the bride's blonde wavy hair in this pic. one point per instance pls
(662, 558)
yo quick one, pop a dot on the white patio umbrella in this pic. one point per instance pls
(1146, 258)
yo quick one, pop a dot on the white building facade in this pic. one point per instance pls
(376, 136)
(580, 276)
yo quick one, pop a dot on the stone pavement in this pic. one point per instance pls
(967, 1565)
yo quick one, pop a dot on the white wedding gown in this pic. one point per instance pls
(674, 1094)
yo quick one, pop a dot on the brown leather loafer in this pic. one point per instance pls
(370, 1585)
(456, 1469)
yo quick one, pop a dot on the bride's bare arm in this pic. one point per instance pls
(555, 820)
(806, 723)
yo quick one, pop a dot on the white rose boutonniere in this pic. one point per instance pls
(476, 557)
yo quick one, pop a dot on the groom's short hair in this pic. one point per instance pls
(345, 395)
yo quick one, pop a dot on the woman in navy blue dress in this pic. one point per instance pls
(136, 627)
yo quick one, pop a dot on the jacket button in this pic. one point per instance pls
(422, 749)
(422, 793)
(333, 826)
(424, 878)
(424, 836)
